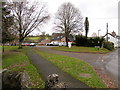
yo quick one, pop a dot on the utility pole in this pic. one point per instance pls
(107, 32)
(98, 32)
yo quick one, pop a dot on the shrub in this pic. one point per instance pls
(73, 44)
(81, 40)
(108, 45)
(89, 42)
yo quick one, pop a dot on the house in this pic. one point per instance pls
(112, 37)
(60, 38)
(44, 41)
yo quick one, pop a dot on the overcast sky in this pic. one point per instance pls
(99, 12)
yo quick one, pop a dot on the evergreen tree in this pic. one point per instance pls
(86, 24)
(7, 22)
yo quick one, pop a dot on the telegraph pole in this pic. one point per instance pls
(98, 32)
(107, 32)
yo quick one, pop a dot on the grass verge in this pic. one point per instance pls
(75, 67)
(17, 60)
(81, 49)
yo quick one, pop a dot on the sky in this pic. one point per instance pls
(99, 12)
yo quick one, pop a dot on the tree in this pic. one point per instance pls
(27, 18)
(7, 22)
(68, 20)
(94, 34)
(86, 24)
(43, 35)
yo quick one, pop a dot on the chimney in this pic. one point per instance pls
(113, 33)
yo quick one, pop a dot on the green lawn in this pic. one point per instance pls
(75, 67)
(36, 38)
(17, 60)
(33, 38)
(82, 49)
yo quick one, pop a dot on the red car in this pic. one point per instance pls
(25, 44)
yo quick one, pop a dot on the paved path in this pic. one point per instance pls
(46, 68)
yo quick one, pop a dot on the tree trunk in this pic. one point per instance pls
(3, 48)
(20, 44)
(66, 39)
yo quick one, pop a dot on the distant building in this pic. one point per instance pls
(113, 33)
(44, 42)
(59, 37)
(112, 37)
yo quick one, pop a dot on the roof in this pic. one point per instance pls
(115, 36)
(109, 34)
(59, 36)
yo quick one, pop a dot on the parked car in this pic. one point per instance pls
(53, 43)
(24, 44)
(28, 44)
(32, 44)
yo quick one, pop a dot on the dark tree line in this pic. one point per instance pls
(89, 42)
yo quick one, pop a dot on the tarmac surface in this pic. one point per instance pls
(109, 63)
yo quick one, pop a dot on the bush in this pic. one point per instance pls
(108, 45)
(89, 42)
(73, 44)
(81, 40)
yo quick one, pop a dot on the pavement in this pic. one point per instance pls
(47, 68)
(108, 63)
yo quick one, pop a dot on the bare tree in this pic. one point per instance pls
(94, 34)
(27, 17)
(68, 20)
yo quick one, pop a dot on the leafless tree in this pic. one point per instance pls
(94, 34)
(68, 20)
(28, 17)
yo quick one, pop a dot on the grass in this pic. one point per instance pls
(17, 60)
(36, 38)
(81, 49)
(75, 68)
(33, 38)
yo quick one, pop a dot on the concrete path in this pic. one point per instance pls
(46, 68)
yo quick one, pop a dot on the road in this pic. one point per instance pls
(109, 64)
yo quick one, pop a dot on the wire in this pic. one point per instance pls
(104, 18)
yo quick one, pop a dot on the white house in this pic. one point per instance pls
(112, 37)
